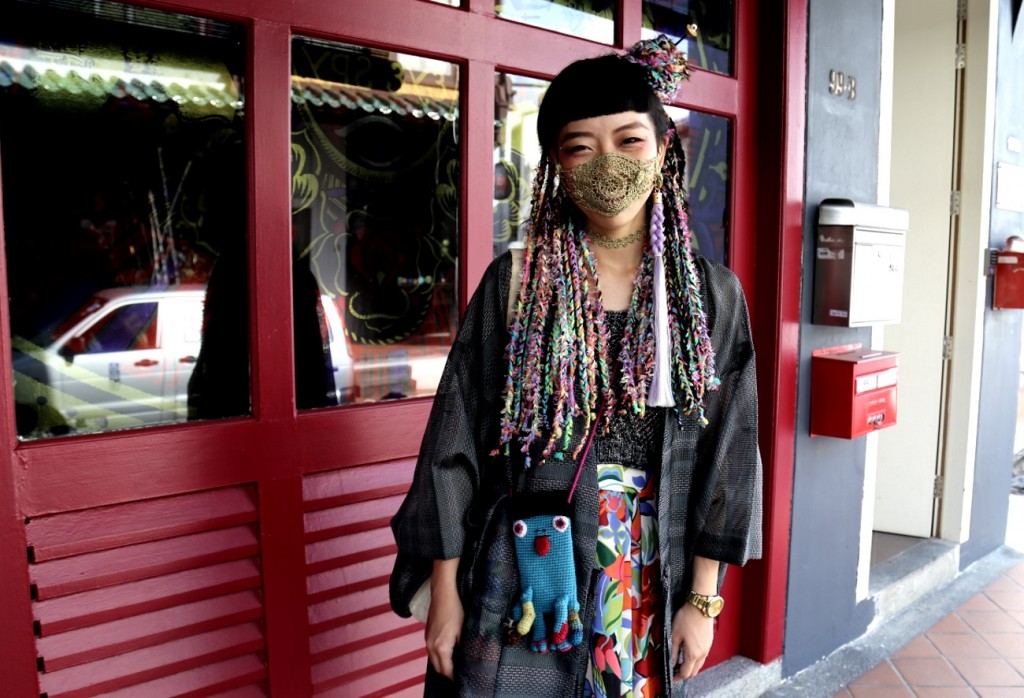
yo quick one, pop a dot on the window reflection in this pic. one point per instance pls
(516, 154)
(124, 179)
(587, 19)
(707, 140)
(703, 29)
(375, 197)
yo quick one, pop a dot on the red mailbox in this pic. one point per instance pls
(853, 391)
(1008, 287)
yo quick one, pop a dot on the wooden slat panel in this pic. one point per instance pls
(358, 526)
(94, 570)
(157, 597)
(399, 671)
(329, 520)
(348, 609)
(117, 526)
(349, 579)
(344, 550)
(153, 663)
(108, 639)
(410, 687)
(366, 631)
(413, 690)
(357, 642)
(110, 603)
(216, 679)
(337, 487)
(254, 691)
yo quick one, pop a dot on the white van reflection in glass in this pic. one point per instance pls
(124, 359)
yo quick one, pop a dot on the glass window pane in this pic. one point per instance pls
(375, 230)
(587, 19)
(450, 3)
(707, 140)
(124, 189)
(709, 44)
(516, 154)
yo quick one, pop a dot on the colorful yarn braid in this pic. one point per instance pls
(665, 63)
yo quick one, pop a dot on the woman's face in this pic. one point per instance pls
(627, 133)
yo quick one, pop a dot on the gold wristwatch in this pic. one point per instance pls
(710, 606)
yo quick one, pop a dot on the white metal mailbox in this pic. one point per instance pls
(858, 267)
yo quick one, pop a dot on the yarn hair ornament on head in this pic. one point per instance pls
(665, 63)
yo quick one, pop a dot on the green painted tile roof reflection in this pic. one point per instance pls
(75, 83)
(337, 96)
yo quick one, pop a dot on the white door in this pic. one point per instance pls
(924, 101)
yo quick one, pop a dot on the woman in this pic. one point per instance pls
(620, 381)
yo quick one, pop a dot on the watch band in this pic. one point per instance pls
(710, 606)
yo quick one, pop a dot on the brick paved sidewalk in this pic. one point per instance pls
(977, 650)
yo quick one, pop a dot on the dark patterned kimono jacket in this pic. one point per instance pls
(709, 495)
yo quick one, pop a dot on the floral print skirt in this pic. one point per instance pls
(626, 638)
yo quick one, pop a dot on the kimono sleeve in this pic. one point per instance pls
(729, 508)
(430, 523)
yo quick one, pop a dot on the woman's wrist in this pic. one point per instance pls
(444, 573)
(705, 576)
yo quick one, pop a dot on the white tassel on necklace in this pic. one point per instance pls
(660, 394)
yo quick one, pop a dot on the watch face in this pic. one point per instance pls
(715, 605)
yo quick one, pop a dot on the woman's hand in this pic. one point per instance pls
(444, 619)
(692, 635)
(692, 631)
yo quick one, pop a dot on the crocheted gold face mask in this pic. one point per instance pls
(610, 183)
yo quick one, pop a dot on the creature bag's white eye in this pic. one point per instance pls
(519, 528)
(560, 523)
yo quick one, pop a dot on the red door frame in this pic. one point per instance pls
(277, 446)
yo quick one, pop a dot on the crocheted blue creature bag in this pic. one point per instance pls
(547, 610)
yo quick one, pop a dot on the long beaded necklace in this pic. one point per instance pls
(603, 241)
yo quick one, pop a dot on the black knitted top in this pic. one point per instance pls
(632, 441)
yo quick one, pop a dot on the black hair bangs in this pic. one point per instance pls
(593, 87)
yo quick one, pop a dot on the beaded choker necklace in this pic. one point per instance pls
(603, 241)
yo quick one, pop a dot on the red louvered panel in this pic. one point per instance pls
(397, 673)
(413, 689)
(359, 484)
(177, 611)
(356, 510)
(350, 579)
(358, 645)
(248, 692)
(211, 680)
(110, 603)
(347, 550)
(365, 632)
(350, 528)
(349, 609)
(369, 659)
(118, 526)
(151, 663)
(327, 523)
(66, 576)
(108, 639)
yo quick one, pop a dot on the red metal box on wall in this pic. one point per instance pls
(853, 391)
(1008, 289)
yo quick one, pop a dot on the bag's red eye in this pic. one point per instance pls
(560, 523)
(519, 528)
